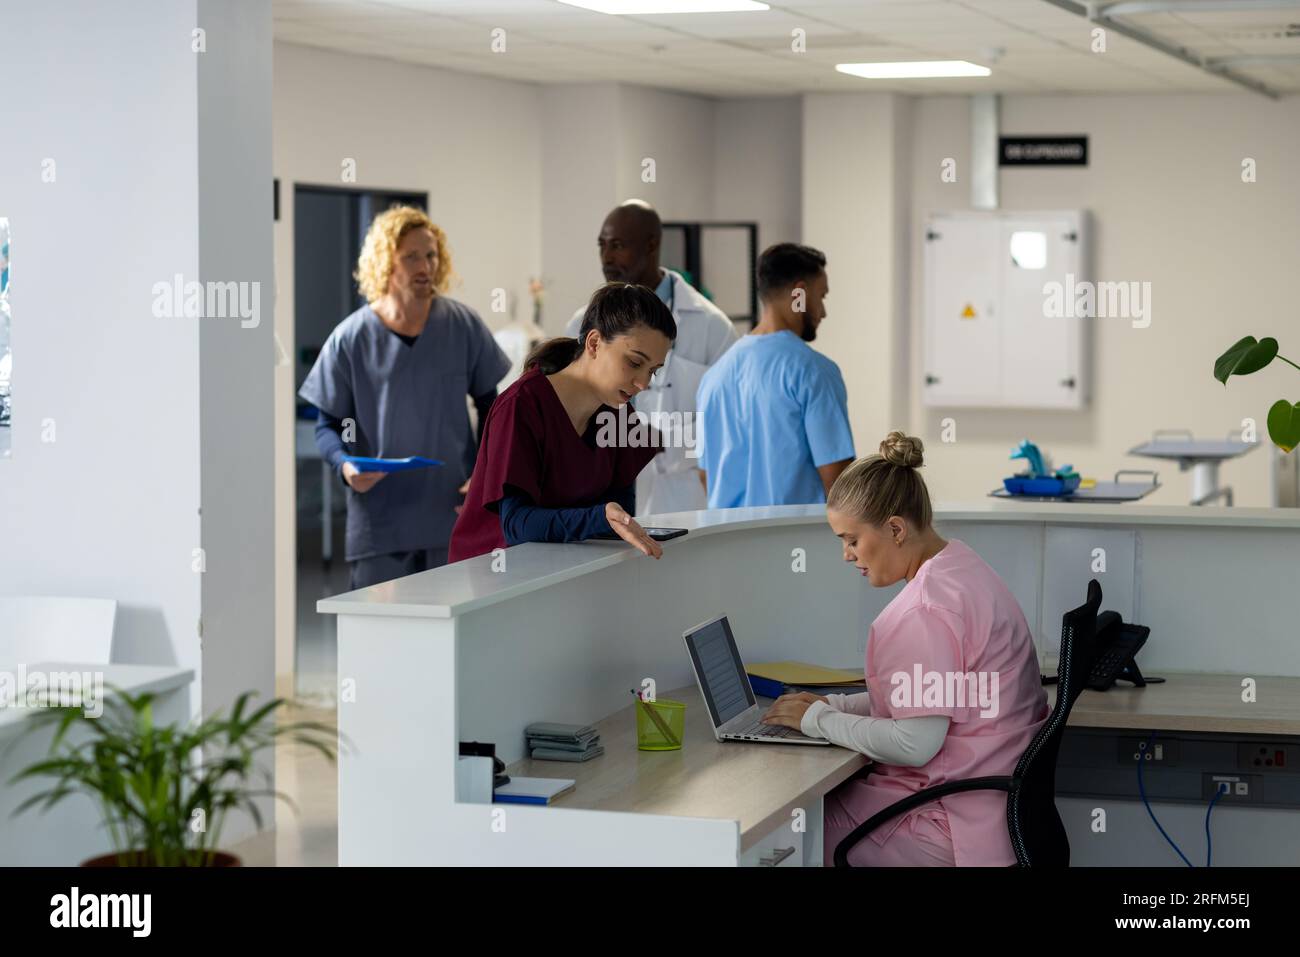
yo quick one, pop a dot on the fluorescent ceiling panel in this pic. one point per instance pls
(648, 7)
(912, 70)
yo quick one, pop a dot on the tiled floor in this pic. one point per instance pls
(309, 837)
(316, 653)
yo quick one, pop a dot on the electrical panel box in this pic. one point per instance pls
(1001, 325)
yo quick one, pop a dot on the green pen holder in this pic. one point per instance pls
(660, 725)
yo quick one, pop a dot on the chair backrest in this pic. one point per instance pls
(47, 628)
(1037, 834)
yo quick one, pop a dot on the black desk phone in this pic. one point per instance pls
(1116, 644)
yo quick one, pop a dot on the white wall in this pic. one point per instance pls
(757, 165)
(237, 356)
(579, 186)
(139, 438)
(1169, 207)
(676, 131)
(101, 494)
(854, 180)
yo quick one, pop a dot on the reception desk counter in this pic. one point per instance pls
(478, 650)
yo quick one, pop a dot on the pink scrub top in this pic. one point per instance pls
(956, 617)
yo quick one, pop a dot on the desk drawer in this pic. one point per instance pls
(783, 847)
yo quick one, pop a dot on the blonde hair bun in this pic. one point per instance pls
(902, 450)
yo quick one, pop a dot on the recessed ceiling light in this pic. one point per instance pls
(644, 7)
(913, 70)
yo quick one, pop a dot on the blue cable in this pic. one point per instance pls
(1142, 791)
(1218, 793)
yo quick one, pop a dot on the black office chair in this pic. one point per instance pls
(1037, 834)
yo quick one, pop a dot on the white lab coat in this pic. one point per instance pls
(671, 482)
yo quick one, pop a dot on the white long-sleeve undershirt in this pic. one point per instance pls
(846, 721)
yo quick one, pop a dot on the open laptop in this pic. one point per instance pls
(726, 690)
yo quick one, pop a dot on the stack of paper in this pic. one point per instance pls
(563, 742)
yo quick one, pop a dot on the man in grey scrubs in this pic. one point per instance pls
(391, 382)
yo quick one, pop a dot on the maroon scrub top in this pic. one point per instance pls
(530, 443)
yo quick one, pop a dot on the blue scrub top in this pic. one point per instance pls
(407, 400)
(771, 410)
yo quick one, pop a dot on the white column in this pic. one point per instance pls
(855, 209)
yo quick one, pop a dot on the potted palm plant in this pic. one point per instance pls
(1250, 355)
(164, 790)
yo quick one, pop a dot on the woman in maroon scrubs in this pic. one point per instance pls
(550, 467)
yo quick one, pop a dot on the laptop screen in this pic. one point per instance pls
(720, 670)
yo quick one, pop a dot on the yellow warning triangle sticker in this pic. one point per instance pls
(968, 312)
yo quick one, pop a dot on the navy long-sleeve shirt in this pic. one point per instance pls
(522, 521)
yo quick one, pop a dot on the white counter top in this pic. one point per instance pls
(465, 586)
(1087, 513)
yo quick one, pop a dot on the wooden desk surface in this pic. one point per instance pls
(708, 778)
(755, 784)
(1205, 703)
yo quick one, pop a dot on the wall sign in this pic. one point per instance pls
(1042, 151)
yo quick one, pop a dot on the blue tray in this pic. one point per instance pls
(1048, 485)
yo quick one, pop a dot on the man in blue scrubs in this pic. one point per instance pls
(391, 381)
(773, 413)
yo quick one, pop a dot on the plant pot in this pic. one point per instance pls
(138, 859)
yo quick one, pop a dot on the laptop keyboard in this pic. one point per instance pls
(759, 730)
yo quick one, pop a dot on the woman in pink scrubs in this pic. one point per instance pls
(953, 686)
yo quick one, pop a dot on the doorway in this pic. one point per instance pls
(329, 226)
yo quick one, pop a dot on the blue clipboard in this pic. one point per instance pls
(365, 464)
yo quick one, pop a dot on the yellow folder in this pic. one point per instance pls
(801, 673)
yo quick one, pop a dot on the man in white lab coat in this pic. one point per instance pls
(629, 252)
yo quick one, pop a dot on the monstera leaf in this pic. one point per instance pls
(1284, 424)
(1244, 357)
(1250, 355)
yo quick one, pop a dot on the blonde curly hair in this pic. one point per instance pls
(375, 264)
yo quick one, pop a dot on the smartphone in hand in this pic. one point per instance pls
(658, 533)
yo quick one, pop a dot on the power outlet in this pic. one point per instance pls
(1133, 750)
(1264, 757)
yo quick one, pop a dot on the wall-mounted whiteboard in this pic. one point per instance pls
(994, 335)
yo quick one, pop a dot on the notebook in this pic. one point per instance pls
(532, 790)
